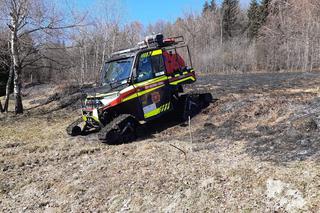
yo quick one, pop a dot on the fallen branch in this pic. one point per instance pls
(185, 154)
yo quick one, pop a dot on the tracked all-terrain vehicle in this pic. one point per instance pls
(139, 85)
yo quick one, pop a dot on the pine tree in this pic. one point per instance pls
(264, 11)
(213, 5)
(230, 12)
(206, 7)
(254, 19)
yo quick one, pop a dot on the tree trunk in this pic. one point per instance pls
(17, 90)
(1, 110)
(8, 89)
(17, 70)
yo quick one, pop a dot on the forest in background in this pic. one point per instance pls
(54, 46)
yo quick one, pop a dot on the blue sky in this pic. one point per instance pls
(150, 11)
(147, 12)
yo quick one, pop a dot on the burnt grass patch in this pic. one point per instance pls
(277, 121)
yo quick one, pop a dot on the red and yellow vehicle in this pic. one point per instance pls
(138, 85)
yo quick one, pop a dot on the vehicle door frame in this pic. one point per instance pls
(165, 81)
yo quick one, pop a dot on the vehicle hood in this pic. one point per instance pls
(102, 91)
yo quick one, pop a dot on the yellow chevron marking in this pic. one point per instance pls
(156, 111)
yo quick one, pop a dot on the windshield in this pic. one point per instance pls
(117, 71)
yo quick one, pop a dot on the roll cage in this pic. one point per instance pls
(136, 56)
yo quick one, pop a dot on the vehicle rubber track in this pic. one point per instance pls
(189, 105)
(73, 129)
(120, 130)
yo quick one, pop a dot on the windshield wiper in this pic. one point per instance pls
(118, 81)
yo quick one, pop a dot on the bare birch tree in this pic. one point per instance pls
(25, 19)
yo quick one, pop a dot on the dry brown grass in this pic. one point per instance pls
(240, 149)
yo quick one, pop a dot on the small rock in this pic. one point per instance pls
(209, 125)
(307, 124)
(305, 142)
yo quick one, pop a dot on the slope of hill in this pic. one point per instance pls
(255, 149)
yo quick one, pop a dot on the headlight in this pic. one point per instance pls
(109, 98)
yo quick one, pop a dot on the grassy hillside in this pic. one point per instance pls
(254, 150)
